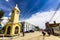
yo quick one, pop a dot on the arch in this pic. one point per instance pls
(16, 30)
(8, 30)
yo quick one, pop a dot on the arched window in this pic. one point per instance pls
(8, 30)
(16, 30)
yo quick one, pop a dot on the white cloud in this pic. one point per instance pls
(4, 18)
(10, 14)
(7, 0)
(40, 19)
(4, 21)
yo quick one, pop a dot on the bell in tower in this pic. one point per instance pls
(13, 26)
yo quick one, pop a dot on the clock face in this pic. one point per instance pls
(17, 12)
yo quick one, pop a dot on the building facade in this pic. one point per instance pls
(27, 26)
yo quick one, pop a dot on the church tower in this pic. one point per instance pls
(13, 26)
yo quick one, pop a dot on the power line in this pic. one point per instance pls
(31, 9)
(54, 12)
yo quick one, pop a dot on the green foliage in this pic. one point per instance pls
(1, 31)
(1, 13)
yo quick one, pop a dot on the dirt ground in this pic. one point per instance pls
(31, 36)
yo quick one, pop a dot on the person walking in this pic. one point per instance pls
(43, 32)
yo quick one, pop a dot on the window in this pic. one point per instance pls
(8, 30)
(16, 30)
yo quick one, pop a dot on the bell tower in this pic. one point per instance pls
(15, 14)
(13, 26)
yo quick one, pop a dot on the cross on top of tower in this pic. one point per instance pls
(17, 7)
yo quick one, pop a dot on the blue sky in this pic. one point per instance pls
(34, 11)
(28, 7)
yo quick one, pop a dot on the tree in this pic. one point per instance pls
(1, 13)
